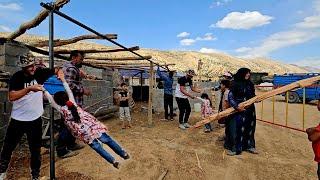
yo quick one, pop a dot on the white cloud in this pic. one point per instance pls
(243, 49)
(310, 22)
(187, 42)
(246, 20)
(5, 28)
(207, 37)
(209, 50)
(10, 6)
(280, 40)
(183, 35)
(300, 33)
(218, 3)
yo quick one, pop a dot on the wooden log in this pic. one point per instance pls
(150, 102)
(105, 110)
(92, 58)
(62, 42)
(37, 20)
(124, 65)
(46, 53)
(259, 98)
(68, 51)
(107, 116)
(163, 175)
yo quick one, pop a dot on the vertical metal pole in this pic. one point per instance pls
(287, 107)
(303, 107)
(51, 65)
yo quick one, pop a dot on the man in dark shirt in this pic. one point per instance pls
(182, 93)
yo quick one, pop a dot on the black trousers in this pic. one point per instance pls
(184, 109)
(168, 103)
(65, 139)
(15, 131)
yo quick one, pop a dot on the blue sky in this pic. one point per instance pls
(285, 30)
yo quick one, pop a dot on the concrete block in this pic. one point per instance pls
(3, 131)
(3, 95)
(4, 119)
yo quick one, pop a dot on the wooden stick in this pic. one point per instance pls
(97, 102)
(150, 102)
(259, 98)
(92, 58)
(68, 51)
(199, 165)
(163, 175)
(123, 65)
(62, 42)
(37, 20)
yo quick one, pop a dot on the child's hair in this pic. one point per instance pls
(226, 83)
(62, 99)
(123, 84)
(206, 96)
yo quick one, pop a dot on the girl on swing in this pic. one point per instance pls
(83, 125)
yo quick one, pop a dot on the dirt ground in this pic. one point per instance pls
(283, 153)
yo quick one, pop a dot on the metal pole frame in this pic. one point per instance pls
(51, 66)
(51, 8)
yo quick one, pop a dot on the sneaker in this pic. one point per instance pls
(231, 153)
(186, 125)
(69, 154)
(207, 130)
(76, 146)
(181, 126)
(116, 164)
(2, 176)
(126, 156)
(252, 151)
(35, 178)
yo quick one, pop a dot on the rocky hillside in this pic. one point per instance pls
(213, 64)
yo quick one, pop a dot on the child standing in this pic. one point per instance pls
(83, 125)
(314, 137)
(206, 110)
(124, 109)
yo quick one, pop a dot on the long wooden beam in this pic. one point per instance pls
(93, 58)
(46, 53)
(127, 64)
(62, 42)
(259, 98)
(68, 51)
(36, 21)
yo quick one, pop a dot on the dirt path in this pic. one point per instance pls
(284, 154)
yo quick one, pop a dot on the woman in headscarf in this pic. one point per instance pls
(242, 123)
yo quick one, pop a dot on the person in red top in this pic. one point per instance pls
(314, 137)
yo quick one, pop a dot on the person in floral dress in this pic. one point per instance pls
(83, 125)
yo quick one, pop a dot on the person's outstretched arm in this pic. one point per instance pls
(66, 87)
(163, 77)
(51, 101)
